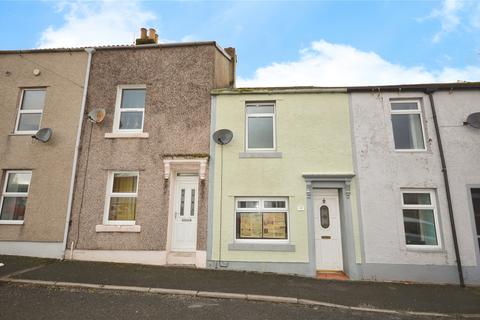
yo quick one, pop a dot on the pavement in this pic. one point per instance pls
(445, 299)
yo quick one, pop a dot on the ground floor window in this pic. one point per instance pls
(420, 218)
(121, 201)
(261, 218)
(476, 210)
(14, 195)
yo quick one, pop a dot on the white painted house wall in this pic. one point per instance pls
(382, 173)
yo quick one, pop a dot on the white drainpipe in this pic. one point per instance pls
(90, 52)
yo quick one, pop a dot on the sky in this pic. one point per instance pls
(278, 43)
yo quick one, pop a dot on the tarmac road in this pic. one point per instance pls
(25, 301)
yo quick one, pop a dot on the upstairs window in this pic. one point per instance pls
(130, 109)
(30, 111)
(407, 125)
(260, 126)
(14, 196)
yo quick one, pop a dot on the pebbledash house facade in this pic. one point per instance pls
(366, 183)
(142, 180)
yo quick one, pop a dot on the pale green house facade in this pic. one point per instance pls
(283, 197)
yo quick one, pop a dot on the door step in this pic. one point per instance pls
(331, 275)
(181, 258)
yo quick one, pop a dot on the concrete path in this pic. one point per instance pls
(354, 295)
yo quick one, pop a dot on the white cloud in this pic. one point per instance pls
(97, 23)
(454, 14)
(329, 64)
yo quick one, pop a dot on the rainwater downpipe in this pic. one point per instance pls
(447, 187)
(90, 52)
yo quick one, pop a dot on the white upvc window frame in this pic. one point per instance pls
(261, 115)
(119, 111)
(261, 208)
(6, 194)
(411, 111)
(433, 207)
(110, 194)
(35, 111)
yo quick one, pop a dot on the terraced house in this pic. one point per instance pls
(142, 182)
(282, 192)
(38, 89)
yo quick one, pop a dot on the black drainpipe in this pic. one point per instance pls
(447, 187)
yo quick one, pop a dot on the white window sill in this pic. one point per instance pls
(285, 247)
(115, 135)
(23, 133)
(260, 154)
(117, 228)
(18, 222)
(410, 150)
(424, 248)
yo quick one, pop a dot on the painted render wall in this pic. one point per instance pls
(178, 81)
(382, 172)
(313, 135)
(62, 73)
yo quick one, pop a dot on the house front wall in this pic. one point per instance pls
(62, 75)
(312, 137)
(383, 173)
(177, 117)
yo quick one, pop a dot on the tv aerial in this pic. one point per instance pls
(97, 115)
(222, 136)
(473, 120)
(43, 135)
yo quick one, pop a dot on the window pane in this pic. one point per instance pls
(274, 204)
(260, 133)
(248, 204)
(249, 225)
(419, 227)
(274, 225)
(18, 182)
(407, 131)
(259, 109)
(33, 100)
(476, 210)
(417, 198)
(131, 120)
(404, 106)
(324, 217)
(192, 202)
(29, 121)
(133, 98)
(122, 208)
(124, 183)
(13, 208)
(182, 202)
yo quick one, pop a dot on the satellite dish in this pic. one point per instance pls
(43, 134)
(222, 136)
(97, 115)
(473, 120)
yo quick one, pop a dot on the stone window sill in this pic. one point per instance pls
(285, 247)
(117, 228)
(262, 154)
(126, 135)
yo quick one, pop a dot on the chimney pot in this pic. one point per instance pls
(151, 34)
(143, 33)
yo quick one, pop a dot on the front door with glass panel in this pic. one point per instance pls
(184, 233)
(328, 237)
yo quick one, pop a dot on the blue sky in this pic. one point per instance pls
(278, 43)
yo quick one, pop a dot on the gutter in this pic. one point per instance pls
(430, 92)
(90, 52)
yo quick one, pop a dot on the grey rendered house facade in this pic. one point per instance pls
(38, 89)
(403, 204)
(141, 187)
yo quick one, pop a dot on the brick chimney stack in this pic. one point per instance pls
(152, 37)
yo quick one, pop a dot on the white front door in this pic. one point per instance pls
(184, 233)
(328, 235)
